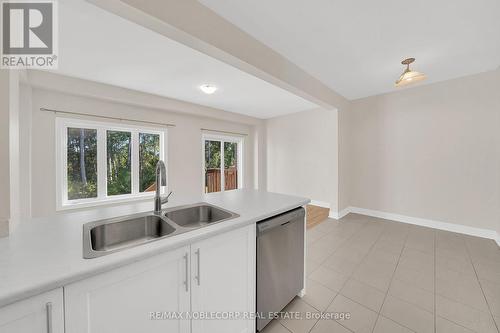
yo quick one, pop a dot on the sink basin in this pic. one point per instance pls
(108, 236)
(198, 215)
(104, 237)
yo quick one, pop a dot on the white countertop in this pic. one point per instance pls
(44, 254)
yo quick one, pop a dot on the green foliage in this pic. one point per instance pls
(213, 154)
(118, 160)
(230, 154)
(149, 155)
(82, 163)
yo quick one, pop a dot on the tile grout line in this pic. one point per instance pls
(338, 292)
(352, 273)
(370, 249)
(406, 301)
(365, 224)
(357, 231)
(454, 322)
(390, 283)
(316, 323)
(349, 276)
(452, 300)
(436, 294)
(481, 286)
(320, 264)
(286, 328)
(344, 241)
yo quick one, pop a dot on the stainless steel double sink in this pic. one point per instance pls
(108, 236)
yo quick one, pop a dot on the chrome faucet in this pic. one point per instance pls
(161, 180)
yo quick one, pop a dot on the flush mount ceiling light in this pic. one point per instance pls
(408, 75)
(208, 88)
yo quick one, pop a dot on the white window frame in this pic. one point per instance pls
(239, 140)
(62, 124)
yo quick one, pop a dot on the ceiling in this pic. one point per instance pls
(99, 46)
(356, 46)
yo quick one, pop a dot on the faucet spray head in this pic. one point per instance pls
(160, 169)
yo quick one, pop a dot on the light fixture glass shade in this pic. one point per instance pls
(409, 77)
(208, 88)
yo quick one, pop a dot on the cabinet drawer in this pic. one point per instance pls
(39, 314)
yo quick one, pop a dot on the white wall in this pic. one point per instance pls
(184, 140)
(24, 155)
(260, 156)
(4, 153)
(14, 148)
(302, 155)
(430, 152)
(344, 190)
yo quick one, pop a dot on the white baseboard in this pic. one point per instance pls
(339, 215)
(333, 215)
(344, 212)
(458, 228)
(320, 204)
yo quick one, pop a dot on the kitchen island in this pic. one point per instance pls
(44, 255)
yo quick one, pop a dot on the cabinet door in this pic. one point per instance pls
(223, 280)
(38, 314)
(127, 299)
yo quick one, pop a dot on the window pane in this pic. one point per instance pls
(119, 162)
(212, 166)
(230, 165)
(149, 155)
(82, 163)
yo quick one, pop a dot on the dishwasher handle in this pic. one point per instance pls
(277, 221)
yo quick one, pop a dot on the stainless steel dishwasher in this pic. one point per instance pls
(280, 262)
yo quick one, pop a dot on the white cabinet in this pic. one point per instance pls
(223, 281)
(213, 276)
(123, 300)
(39, 314)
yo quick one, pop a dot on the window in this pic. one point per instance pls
(105, 162)
(222, 163)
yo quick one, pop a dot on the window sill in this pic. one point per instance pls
(105, 202)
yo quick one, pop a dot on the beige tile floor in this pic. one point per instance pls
(395, 277)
